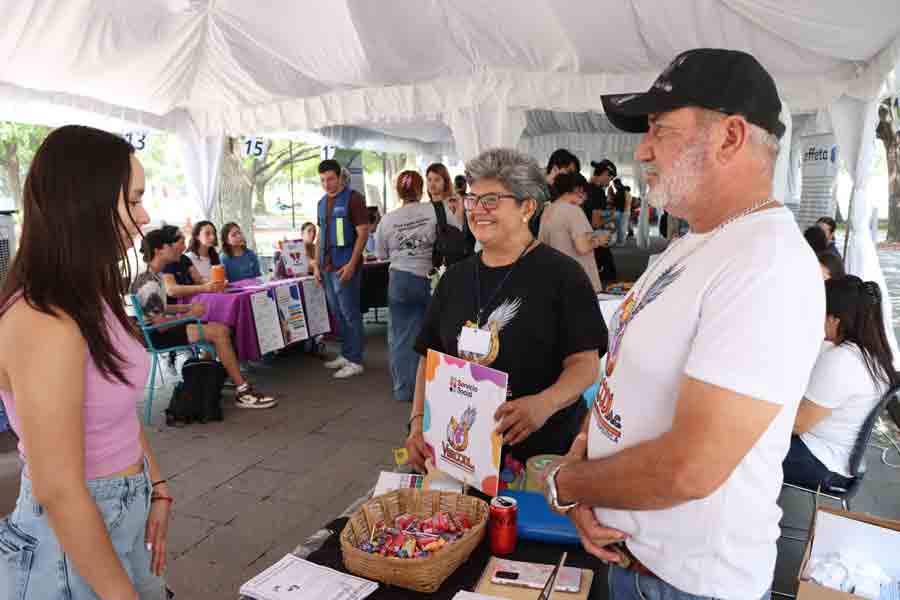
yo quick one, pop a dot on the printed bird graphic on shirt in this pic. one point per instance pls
(499, 318)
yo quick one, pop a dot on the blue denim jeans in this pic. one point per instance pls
(408, 298)
(343, 300)
(801, 467)
(621, 226)
(627, 585)
(33, 565)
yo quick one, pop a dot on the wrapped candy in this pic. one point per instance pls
(409, 536)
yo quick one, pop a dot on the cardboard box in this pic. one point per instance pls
(836, 530)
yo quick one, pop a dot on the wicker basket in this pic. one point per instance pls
(420, 574)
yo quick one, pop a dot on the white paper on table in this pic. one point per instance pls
(464, 595)
(863, 541)
(458, 425)
(293, 255)
(291, 313)
(316, 308)
(293, 578)
(269, 335)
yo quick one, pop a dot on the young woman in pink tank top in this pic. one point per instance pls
(93, 511)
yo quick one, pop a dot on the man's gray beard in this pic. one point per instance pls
(682, 179)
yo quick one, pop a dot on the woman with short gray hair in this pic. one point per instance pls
(532, 309)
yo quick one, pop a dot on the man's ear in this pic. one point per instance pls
(732, 135)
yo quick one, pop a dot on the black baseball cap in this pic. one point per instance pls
(726, 81)
(604, 165)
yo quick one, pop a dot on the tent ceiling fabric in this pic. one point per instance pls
(246, 68)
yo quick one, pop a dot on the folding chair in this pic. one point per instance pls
(155, 352)
(857, 468)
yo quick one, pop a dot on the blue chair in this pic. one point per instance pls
(155, 352)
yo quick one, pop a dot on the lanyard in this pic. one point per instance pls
(481, 307)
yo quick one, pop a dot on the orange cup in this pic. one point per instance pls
(218, 273)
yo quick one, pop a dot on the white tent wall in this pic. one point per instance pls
(202, 161)
(854, 123)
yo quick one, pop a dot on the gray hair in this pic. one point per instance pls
(765, 145)
(517, 172)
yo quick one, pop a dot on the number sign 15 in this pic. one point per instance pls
(254, 147)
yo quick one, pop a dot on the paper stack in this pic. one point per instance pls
(293, 578)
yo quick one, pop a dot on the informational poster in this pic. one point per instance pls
(291, 313)
(317, 320)
(296, 262)
(268, 327)
(460, 401)
(819, 168)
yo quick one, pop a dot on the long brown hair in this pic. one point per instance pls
(71, 254)
(226, 231)
(194, 246)
(440, 170)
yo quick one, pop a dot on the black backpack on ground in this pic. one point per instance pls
(199, 396)
(451, 245)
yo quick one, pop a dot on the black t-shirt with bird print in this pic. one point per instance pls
(544, 311)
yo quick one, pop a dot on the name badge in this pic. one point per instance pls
(474, 341)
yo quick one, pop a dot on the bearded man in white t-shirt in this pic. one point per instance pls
(676, 476)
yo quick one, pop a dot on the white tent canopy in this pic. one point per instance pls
(250, 68)
(437, 76)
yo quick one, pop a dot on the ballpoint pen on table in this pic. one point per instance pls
(551, 581)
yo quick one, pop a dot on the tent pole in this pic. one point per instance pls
(849, 222)
(384, 182)
(291, 158)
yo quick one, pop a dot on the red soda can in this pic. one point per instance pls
(502, 526)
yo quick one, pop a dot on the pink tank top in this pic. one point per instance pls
(111, 426)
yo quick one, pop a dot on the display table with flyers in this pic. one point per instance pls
(412, 525)
(266, 317)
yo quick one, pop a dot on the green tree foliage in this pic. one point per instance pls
(18, 144)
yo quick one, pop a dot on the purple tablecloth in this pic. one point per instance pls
(235, 310)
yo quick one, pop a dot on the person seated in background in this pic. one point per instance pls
(815, 237)
(202, 249)
(832, 266)
(158, 251)
(828, 225)
(309, 233)
(854, 370)
(240, 262)
(564, 226)
(181, 277)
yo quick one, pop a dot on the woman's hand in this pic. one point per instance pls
(595, 537)
(214, 287)
(418, 451)
(156, 534)
(521, 417)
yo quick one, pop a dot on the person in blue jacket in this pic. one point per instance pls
(344, 229)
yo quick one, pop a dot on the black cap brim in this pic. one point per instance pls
(628, 112)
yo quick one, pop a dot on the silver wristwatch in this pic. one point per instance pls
(553, 495)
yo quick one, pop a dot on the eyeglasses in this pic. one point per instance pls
(488, 201)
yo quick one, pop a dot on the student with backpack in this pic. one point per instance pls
(408, 237)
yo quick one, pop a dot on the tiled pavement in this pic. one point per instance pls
(253, 487)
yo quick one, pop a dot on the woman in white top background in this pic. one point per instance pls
(852, 373)
(202, 249)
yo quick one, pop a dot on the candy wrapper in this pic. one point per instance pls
(410, 536)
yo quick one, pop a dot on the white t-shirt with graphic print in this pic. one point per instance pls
(742, 309)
